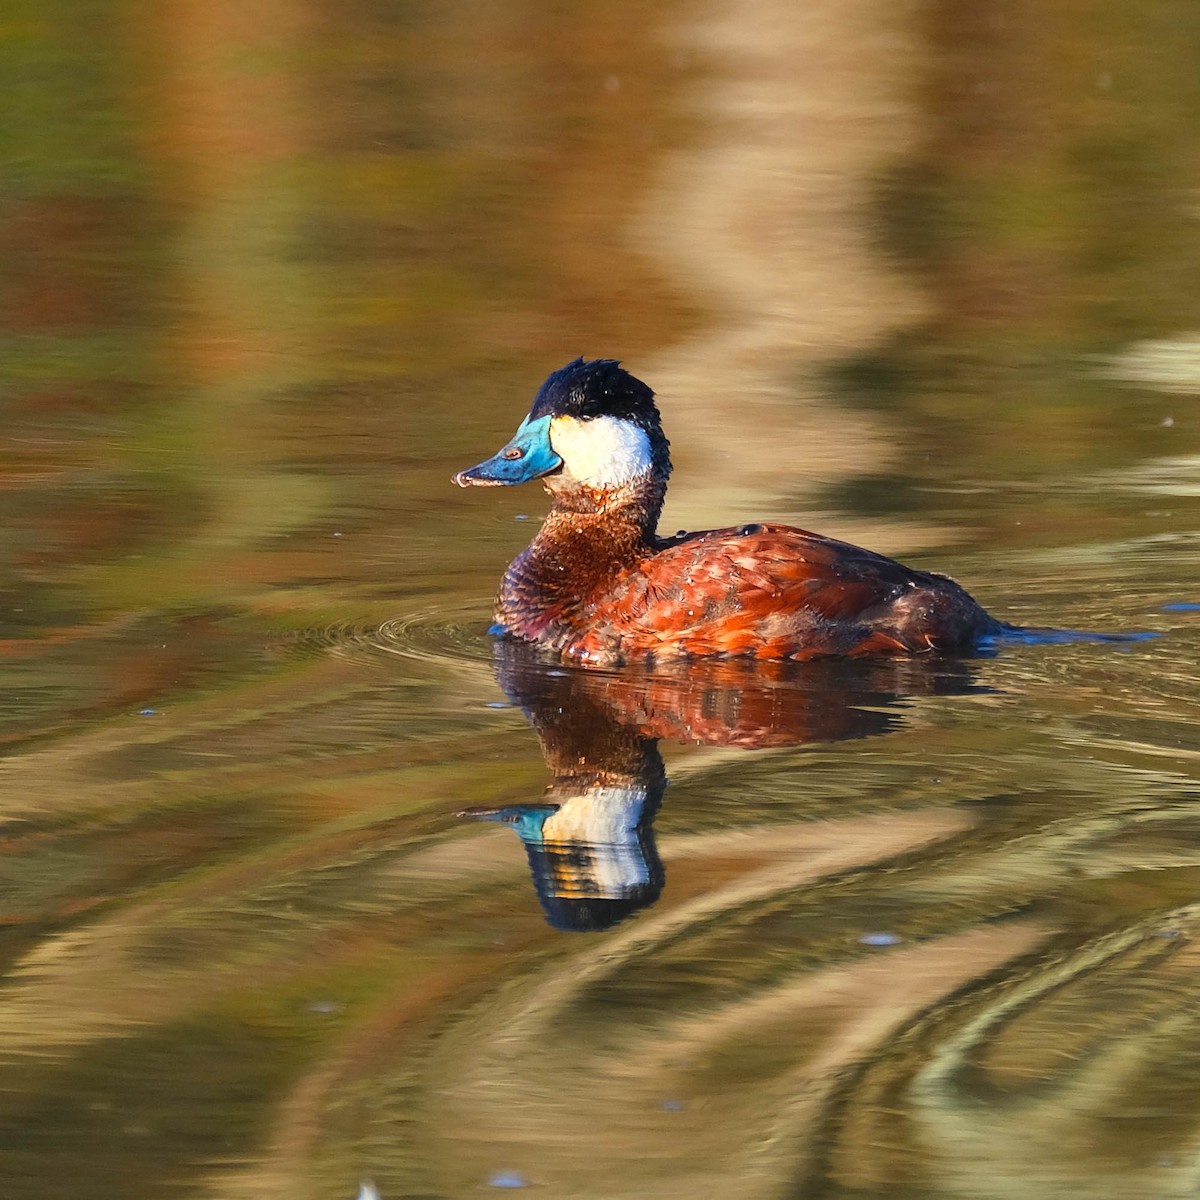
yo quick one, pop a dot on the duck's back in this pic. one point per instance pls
(773, 591)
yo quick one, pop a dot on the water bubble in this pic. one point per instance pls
(324, 1007)
(882, 938)
(507, 1179)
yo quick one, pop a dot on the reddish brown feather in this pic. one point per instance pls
(771, 592)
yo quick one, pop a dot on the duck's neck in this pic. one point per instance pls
(588, 538)
(628, 511)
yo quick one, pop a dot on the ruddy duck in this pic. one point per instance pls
(597, 584)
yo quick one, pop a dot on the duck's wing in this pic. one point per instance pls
(773, 591)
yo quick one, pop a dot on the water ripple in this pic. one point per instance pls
(443, 633)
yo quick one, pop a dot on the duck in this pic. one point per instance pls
(599, 585)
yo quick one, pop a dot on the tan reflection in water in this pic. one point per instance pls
(763, 225)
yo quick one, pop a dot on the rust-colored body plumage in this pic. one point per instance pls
(598, 585)
(762, 591)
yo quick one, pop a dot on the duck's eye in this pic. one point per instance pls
(514, 452)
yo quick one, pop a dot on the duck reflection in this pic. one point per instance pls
(590, 838)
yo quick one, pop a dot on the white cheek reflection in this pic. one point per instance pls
(601, 827)
(603, 451)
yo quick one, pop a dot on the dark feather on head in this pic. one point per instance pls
(599, 388)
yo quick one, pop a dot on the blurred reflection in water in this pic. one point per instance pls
(923, 275)
(590, 840)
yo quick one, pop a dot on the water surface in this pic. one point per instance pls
(307, 883)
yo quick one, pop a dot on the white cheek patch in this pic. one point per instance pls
(602, 452)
